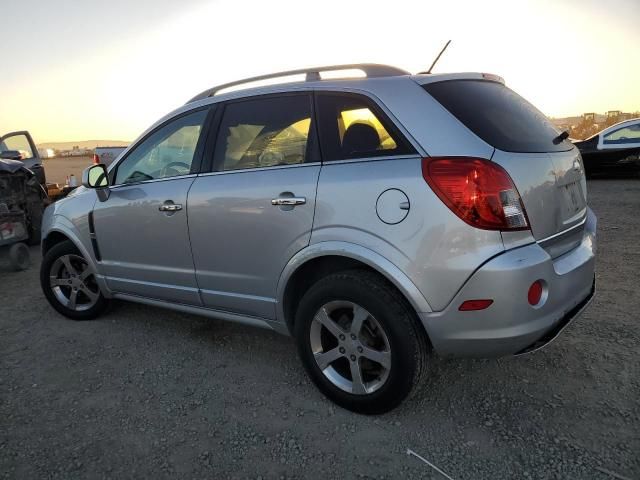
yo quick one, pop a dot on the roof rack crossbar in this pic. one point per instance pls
(371, 70)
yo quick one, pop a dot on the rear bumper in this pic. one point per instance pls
(510, 325)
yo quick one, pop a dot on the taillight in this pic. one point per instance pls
(96, 158)
(478, 191)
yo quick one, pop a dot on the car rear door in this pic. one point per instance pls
(255, 209)
(141, 230)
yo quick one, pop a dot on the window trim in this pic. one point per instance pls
(196, 165)
(386, 121)
(312, 154)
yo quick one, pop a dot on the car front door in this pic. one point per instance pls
(141, 229)
(255, 210)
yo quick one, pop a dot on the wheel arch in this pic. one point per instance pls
(63, 232)
(52, 239)
(321, 259)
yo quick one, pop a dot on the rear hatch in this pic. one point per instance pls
(548, 174)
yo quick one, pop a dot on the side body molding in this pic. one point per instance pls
(356, 252)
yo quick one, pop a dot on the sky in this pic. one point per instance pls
(89, 69)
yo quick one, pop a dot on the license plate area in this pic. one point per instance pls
(573, 201)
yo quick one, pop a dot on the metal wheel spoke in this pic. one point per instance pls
(356, 379)
(381, 358)
(73, 297)
(57, 282)
(86, 273)
(92, 295)
(66, 260)
(359, 316)
(323, 317)
(324, 359)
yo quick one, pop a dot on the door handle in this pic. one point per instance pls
(170, 207)
(289, 201)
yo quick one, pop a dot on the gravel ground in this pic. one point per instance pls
(144, 392)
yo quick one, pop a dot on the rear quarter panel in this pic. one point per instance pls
(432, 246)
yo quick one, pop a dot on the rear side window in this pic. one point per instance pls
(498, 115)
(264, 132)
(351, 126)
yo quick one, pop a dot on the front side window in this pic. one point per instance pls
(168, 152)
(19, 143)
(351, 128)
(629, 134)
(264, 132)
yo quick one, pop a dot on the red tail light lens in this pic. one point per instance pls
(478, 191)
(96, 158)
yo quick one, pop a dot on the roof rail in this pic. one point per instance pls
(312, 74)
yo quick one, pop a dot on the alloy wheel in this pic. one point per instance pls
(73, 283)
(350, 347)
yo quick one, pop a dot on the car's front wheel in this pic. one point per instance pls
(68, 282)
(359, 341)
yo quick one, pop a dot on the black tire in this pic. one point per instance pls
(19, 257)
(408, 343)
(34, 236)
(56, 252)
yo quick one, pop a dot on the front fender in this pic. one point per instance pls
(60, 224)
(355, 252)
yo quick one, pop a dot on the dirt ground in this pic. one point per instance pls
(147, 393)
(57, 169)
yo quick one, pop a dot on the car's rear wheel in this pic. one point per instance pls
(69, 284)
(359, 341)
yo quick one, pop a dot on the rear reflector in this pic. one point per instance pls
(478, 191)
(535, 293)
(468, 305)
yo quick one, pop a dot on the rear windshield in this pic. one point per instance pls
(498, 115)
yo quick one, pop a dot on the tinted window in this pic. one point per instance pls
(498, 115)
(264, 132)
(168, 152)
(352, 127)
(630, 134)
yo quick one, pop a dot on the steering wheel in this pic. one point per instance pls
(164, 172)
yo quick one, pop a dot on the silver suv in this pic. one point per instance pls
(376, 219)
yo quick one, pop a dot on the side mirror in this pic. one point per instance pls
(11, 155)
(95, 176)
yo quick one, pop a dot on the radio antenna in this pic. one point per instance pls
(438, 57)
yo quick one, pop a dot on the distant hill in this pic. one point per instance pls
(83, 144)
